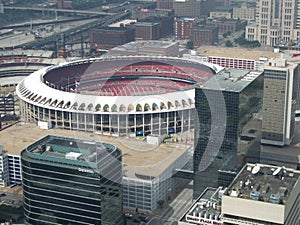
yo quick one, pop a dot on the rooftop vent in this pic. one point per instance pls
(73, 155)
(227, 75)
(274, 198)
(234, 193)
(254, 195)
(283, 191)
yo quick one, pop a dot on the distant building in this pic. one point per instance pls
(4, 172)
(70, 181)
(109, 37)
(262, 194)
(146, 31)
(193, 8)
(162, 48)
(140, 14)
(221, 13)
(237, 63)
(10, 168)
(7, 104)
(1, 8)
(279, 102)
(164, 17)
(277, 23)
(228, 25)
(222, 3)
(228, 132)
(63, 4)
(244, 13)
(164, 4)
(183, 27)
(205, 35)
(239, 58)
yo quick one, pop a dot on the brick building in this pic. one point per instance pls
(164, 4)
(109, 37)
(226, 25)
(183, 27)
(62, 4)
(205, 35)
(164, 17)
(146, 31)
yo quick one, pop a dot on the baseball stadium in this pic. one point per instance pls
(120, 95)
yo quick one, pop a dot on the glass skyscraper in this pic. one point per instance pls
(70, 181)
(224, 139)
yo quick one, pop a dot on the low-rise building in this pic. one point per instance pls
(205, 35)
(146, 31)
(4, 172)
(109, 37)
(164, 17)
(228, 25)
(206, 209)
(183, 27)
(151, 47)
(239, 58)
(221, 13)
(244, 13)
(262, 194)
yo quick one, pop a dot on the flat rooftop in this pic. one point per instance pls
(207, 207)
(72, 149)
(260, 182)
(236, 52)
(285, 155)
(123, 22)
(234, 80)
(140, 160)
(135, 45)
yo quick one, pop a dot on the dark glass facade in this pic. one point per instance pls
(58, 190)
(223, 138)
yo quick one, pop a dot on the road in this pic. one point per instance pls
(20, 38)
(171, 213)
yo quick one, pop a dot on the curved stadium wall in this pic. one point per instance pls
(132, 95)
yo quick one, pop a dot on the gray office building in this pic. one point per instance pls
(193, 8)
(228, 132)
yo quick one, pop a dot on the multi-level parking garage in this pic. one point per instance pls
(132, 95)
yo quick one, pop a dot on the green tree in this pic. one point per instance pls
(160, 203)
(189, 45)
(228, 43)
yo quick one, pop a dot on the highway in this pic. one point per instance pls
(73, 11)
(69, 31)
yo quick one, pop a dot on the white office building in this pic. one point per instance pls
(262, 194)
